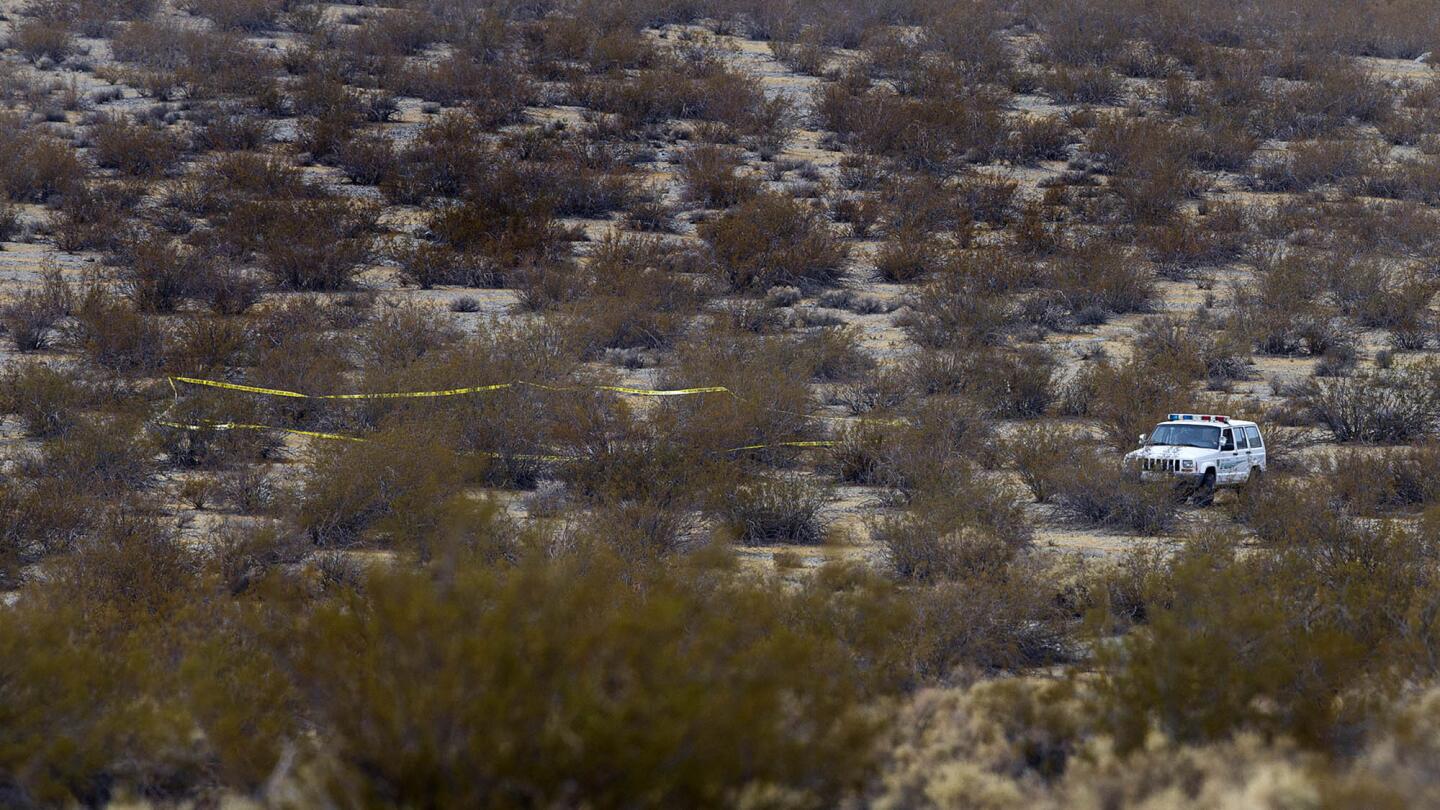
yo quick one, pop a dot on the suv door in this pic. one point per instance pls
(1257, 447)
(1232, 466)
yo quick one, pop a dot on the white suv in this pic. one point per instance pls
(1201, 452)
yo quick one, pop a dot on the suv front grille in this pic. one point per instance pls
(1161, 465)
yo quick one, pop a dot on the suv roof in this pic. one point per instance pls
(1210, 419)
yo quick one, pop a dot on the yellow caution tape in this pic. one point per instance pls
(452, 392)
(784, 444)
(314, 434)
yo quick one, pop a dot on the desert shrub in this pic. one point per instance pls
(1266, 627)
(245, 15)
(227, 130)
(647, 681)
(772, 239)
(1379, 406)
(367, 159)
(1186, 242)
(1098, 492)
(1282, 307)
(394, 485)
(767, 510)
(38, 167)
(91, 217)
(711, 178)
(936, 540)
(1034, 139)
(1100, 274)
(1368, 483)
(46, 398)
(133, 148)
(1043, 454)
(1125, 397)
(951, 311)
(495, 93)
(116, 336)
(426, 265)
(1084, 85)
(156, 275)
(39, 39)
(1309, 164)
(30, 319)
(306, 244)
(228, 289)
(908, 256)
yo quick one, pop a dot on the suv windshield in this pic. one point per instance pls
(1203, 436)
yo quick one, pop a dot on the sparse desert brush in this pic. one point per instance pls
(92, 216)
(713, 177)
(1034, 139)
(1101, 274)
(157, 276)
(316, 244)
(1305, 165)
(1369, 483)
(1196, 349)
(41, 39)
(773, 239)
(1084, 85)
(952, 311)
(395, 484)
(1125, 397)
(114, 335)
(1042, 454)
(1379, 406)
(30, 319)
(46, 397)
(774, 510)
(1098, 493)
(133, 148)
(639, 662)
(245, 15)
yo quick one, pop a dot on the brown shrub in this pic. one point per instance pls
(157, 276)
(769, 510)
(306, 244)
(47, 398)
(92, 217)
(711, 178)
(38, 167)
(30, 319)
(1369, 483)
(1104, 275)
(39, 39)
(1084, 85)
(772, 239)
(133, 148)
(1098, 493)
(115, 336)
(1042, 454)
(1381, 406)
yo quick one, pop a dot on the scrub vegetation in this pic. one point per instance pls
(910, 277)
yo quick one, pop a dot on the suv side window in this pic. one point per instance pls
(1227, 440)
(1254, 434)
(1240, 443)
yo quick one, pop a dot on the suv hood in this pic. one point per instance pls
(1168, 452)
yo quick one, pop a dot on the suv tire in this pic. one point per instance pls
(1205, 492)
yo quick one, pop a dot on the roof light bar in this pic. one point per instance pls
(1204, 417)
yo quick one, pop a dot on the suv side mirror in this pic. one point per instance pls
(1143, 437)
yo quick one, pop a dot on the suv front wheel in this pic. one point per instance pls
(1205, 491)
